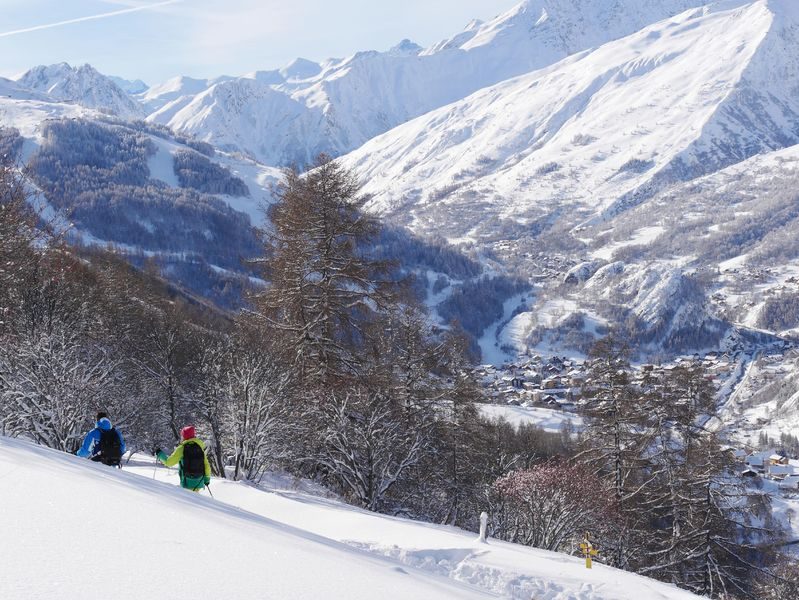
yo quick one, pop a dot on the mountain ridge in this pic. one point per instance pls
(82, 85)
(352, 100)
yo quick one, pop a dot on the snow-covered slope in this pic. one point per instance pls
(186, 225)
(83, 86)
(736, 226)
(137, 533)
(69, 526)
(248, 114)
(25, 109)
(684, 268)
(344, 103)
(599, 130)
(159, 95)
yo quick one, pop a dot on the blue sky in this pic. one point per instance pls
(157, 39)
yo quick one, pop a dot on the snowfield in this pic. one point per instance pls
(546, 418)
(87, 522)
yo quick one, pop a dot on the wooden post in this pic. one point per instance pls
(483, 527)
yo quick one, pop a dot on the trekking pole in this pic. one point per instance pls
(208, 487)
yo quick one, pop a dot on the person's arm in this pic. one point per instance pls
(172, 459)
(122, 446)
(85, 450)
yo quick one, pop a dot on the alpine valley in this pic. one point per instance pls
(595, 207)
(576, 165)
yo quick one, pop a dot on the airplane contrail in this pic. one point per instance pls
(106, 15)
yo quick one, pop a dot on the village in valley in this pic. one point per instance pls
(548, 392)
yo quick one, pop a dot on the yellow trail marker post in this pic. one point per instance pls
(588, 551)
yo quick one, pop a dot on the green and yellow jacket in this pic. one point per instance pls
(176, 458)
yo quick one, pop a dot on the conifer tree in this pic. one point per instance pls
(614, 440)
(323, 288)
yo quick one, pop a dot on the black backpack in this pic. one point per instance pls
(193, 460)
(110, 447)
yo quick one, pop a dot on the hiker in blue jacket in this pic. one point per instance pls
(103, 443)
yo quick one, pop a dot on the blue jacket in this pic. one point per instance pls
(91, 443)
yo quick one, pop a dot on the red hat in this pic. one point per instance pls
(187, 432)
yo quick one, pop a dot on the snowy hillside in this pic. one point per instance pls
(189, 207)
(685, 268)
(597, 131)
(152, 540)
(160, 94)
(737, 224)
(248, 115)
(25, 109)
(286, 543)
(83, 86)
(690, 263)
(341, 104)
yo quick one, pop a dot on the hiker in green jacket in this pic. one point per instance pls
(195, 471)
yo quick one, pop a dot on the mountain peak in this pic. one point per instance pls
(82, 85)
(406, 46)
(573, 25)
(134, 87)
(301, 68)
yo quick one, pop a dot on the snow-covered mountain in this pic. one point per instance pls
(130, 87)
(287, 543)
(174, 200)
(84, 86)
(599, 130)
(554, 164)
(248, 115)
(544, 142)
(181, 87)
(350, 101)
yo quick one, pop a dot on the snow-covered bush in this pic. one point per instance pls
(552, 505)
(548, 168)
